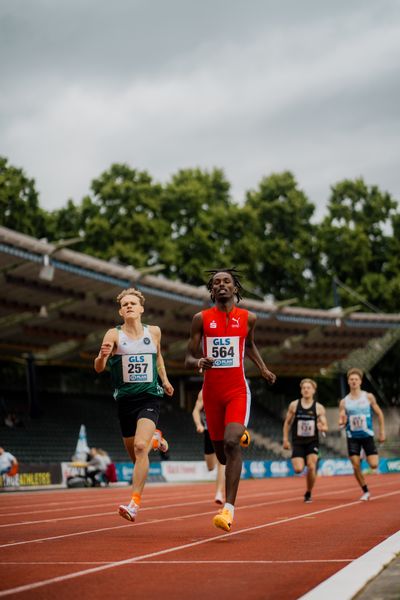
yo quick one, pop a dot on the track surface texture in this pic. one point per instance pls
(72, 543)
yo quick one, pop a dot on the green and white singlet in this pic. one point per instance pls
(134, 367)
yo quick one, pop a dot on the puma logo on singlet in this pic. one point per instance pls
(236, 323)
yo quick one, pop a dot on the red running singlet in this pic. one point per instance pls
(226, 394)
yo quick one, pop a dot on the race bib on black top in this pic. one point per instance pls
(305, 428)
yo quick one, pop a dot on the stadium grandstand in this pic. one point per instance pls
(56, 304)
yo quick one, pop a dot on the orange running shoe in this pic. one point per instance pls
(223, 520)
(159, 443)
(245, 439)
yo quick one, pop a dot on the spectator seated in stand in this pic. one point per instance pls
(98, 469)
(13, 420)
(8, 463)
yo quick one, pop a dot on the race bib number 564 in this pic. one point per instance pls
(224, 351)
(137, 368)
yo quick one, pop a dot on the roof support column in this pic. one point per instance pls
(31, 386)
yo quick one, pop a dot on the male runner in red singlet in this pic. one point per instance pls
(227, 334)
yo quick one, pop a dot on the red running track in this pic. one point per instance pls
(71, 543)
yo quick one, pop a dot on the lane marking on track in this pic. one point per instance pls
(153, 521)
(113, 513)
(159, 489)
(217, 537)
(351, 579)
(110, 499)
(176, 505)
(90, 505)
(153, 491)
(141, 523)
(184, 562)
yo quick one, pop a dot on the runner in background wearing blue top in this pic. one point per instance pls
(134, 354)
(355, 413)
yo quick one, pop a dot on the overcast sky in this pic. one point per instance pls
(249, 86)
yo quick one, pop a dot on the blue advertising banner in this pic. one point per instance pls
(125, 470)
(326, 466)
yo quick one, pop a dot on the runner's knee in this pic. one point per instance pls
(140, 447)
(231, 446)
(373, 463)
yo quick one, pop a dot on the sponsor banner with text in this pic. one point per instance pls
(33, 475)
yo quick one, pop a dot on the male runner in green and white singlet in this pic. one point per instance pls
(134, 355)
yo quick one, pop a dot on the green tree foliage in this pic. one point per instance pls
(198, 208)
(19, 202)
(191, 224)
(284, 252)
(356, 245)
(122, 220)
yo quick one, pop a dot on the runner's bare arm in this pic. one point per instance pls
(192, 360)
(156, 335)
(253, 353)
(322, 423)
(198, 407)
(110, 341)
(288, 423)
(381, 419)
(342, 414)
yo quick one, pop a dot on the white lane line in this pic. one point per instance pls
(89, 502)
(176, 505)
(152, 521)
(153, 491)
(141, 523)
(104, 514)
(185, 562)
(113, 502)
(134, 559)
(351, 579)
(159, 492)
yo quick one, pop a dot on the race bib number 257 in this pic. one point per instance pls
(137, 368)
(224, 351)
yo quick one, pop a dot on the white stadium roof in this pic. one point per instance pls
(56, 304)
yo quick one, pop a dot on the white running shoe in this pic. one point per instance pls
(128, 512)
(366, 496)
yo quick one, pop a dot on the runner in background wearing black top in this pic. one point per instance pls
(210, 457)
(306, 417)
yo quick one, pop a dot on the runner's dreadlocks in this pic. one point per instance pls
(235, 276)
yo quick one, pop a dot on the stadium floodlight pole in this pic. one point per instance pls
(150, 270)
(47, 271)
(356, 295)
(282, 303)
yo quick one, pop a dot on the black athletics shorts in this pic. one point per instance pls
(130, 410)
(303, 450)
(208, 445)
(354, 446)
